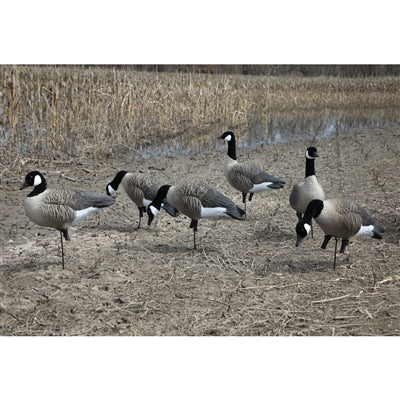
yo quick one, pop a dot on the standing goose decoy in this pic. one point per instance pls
(59, 208)
(141, 189)
(246, 178)
(340, 218)
(310, 189)
(195, 200)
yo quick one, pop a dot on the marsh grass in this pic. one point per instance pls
(78, 111)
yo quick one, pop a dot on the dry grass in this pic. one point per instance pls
(80, 111)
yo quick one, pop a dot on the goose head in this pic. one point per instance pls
(227, 136)
(155, 206)
(33, 178)
(311, 153)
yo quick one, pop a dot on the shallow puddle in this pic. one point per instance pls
(280, 128)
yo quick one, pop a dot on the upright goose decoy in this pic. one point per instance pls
(307, 190)
(340, 218)
(141, 188)
(59, 208)
(246, 178)
(195, 200)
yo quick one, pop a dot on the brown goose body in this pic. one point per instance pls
(59, 208)
(339, 218)
(303, 192)
(196, 200)
(309, 189)
(193, 199)
(141, 189)
(247, 178)
(343, 218)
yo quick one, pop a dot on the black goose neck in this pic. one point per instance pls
(313, 210)
(160, 196)
(38, 188)
(232, 148)
(310, 168)
(117, 179)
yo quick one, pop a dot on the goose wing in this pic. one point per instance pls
(77, 199)
(212, 198)
(353, 215)
(256, 175)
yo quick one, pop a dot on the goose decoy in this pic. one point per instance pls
(307, 190)
(340, 218)
(59, 208)
(246, 178)
(141, 188)
(195, 200)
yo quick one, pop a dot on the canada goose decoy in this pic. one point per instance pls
(340, 218)
(141, 188)
(195, 200)
(59, 208)
(246, 178)
(307, 190)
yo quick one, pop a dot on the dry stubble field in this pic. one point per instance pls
(245, 278)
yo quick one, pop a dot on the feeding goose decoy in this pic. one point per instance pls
(340, 218)
(246, 178)
(195, 200)
(59, 208)
(307, 190)
(141, 189)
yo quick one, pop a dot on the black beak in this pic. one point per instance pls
(151, 216)
(299, 240)
(220, 137)
(316, 154)
(23, 186)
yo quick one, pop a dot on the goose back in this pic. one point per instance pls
(343, 218)
(59, 208)
(192, 198)
(140, 187)
(246, 177)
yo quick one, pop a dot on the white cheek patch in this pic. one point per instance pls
(84, 213)
(307, 227)
(111, 190)
(308, 156)
(154, 210)
(365, 230)
(37, 181)
(228, 138)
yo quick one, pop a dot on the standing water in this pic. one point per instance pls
(280, 127)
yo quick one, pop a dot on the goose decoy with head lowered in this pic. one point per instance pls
(59, 208)
(141, 188)
(340, 218)
(307, 190)
(195, 200)
(246, 178)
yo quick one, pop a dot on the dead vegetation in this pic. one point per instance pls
(246, 278)
(63, 111)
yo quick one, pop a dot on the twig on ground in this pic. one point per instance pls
(12, 315)
(331, 299)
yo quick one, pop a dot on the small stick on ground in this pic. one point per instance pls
(12, 315)
(332, 299)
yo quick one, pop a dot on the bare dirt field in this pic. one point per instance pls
(246, 277)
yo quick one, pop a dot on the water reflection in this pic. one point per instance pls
(281, 127)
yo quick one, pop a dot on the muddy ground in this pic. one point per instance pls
(245, 278)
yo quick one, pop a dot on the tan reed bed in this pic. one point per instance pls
(64, 111)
